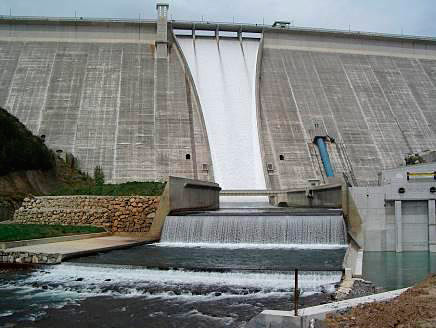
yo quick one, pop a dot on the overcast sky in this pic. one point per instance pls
(413, 17)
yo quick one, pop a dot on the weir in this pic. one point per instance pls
(252, 230)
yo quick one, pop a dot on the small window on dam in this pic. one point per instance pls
(188, 156)
(282, 157)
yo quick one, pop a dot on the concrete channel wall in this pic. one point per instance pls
(327, 196)
(183, 194)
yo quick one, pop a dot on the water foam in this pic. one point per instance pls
(250, 246)
(72, 276)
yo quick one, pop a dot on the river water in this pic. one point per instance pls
(392, 270)
(166, 287)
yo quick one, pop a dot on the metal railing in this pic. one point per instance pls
(421, 174)
(76, 19)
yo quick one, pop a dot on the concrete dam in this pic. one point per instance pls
(238, 104)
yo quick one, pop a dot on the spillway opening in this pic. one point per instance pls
(224, 72)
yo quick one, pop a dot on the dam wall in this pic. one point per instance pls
(372, 97)
(96, 89)
(99, 90)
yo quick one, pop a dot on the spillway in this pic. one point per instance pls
(249, 231)
(224, 74)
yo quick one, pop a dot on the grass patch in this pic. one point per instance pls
(14, 232)
(123, 189)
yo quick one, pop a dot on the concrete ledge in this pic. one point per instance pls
(307, 316)
(103, 249)
(353, 259)
(53, 253)
(30, 242)
(324, 196)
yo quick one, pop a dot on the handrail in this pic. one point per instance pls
(76, 19)
(421, 174)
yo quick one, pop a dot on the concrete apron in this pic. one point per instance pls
(308, 316)
(31, 242)
(54, 253)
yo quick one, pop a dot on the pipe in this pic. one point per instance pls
(324, 156)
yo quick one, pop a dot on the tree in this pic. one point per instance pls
(98, 176)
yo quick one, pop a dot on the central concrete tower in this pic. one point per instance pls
(162, 30)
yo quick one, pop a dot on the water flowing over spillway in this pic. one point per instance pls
(254, 231)
(224, 74)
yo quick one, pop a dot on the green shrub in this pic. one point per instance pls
(98, 176)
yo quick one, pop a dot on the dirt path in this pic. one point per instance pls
(414, 308)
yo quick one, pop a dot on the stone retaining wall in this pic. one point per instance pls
(29, 258)
(116, 214)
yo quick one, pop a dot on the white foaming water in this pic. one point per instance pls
(67, 283)
(258, 231)
(224, 74)
(94, 279)
(252, 246)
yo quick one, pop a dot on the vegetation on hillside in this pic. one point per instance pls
(124, 189)
(20, 150)
(413, 159)
(99, 176)
(13, 232)
(70, 176)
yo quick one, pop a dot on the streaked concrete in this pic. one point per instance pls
(375, 105)
(97, 91)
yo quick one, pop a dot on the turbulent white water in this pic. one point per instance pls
(95, 280)
(254, 231)
(172, 297)
(224, 74)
